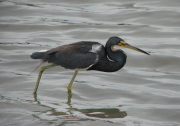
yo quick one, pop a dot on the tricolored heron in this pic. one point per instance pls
(85, 55)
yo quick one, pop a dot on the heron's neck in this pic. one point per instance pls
(111, 61)
(116, 59)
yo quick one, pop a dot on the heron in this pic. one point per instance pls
(85, 55)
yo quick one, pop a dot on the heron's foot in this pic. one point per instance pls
(35, 96)
(69, 97)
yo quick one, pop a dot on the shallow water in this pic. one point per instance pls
(144, 93)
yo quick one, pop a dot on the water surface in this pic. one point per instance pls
(144, 93)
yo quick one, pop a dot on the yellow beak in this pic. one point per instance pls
(123, 44)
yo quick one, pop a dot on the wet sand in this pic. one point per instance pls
(144, 93)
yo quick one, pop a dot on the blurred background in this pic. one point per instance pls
(145, 92)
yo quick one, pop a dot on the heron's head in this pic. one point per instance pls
(118, 42)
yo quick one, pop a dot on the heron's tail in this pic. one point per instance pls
(37, 55)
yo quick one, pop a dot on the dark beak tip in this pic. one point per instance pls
(149, 54)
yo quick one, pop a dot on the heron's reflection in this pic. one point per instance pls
(99, 113)
(89, 112)
(104, 113)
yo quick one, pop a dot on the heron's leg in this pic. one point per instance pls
(72, 80)
(40, 74)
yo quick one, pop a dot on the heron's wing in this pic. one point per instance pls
(81, 55)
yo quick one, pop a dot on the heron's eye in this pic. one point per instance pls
(121, 43)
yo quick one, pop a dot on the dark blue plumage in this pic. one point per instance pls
(81, 55)
(73, 56)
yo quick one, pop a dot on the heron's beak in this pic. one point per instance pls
(123, 44)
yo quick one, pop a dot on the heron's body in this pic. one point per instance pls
(83, 56)
(86, 55)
